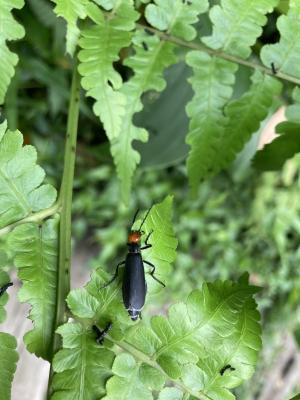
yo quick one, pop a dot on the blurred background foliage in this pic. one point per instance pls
(239, 221)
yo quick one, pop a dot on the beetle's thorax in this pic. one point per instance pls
(134, 247)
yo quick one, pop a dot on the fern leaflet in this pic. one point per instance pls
(22, 192)
(8, 364)
(286, 145)
(286, 54)
(10, 30)
(176, 16)
(212, 83)
(71, 10)
(35, 247)
(101, 45)
(237, 24)
(82, 366)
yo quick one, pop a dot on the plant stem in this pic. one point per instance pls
(65, 200)
(220, 54)
(36, 217)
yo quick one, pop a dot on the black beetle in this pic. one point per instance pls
(134, 287)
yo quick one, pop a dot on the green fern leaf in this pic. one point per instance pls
(148, 66)
(8, 364)
(71, 11)
(101, 45)
(4, 279)
(217, 326)
(286, 54)
(21, 192)
(212, 83)
(237, 24)
(35, 247)
(82, 367)
(164, 243)
(126, 383)
(101, 305)
(161, 16)
(10, 30)
(169, 393)
(286, 145)
(244, 117)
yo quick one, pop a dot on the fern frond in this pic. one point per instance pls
(35, 247)
(148, 65)
(286, 145)
(10, 30)
(101, 45)
(212, 83)
(217, 326)
(244, 118)
(22, 192)
(237, 24)
(71, 11)
(8, 364)
(286, 54)
(82, 367)
(161, 16)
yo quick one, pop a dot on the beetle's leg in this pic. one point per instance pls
(101, 334)
(147, 245)
(152, 273)
(115, 275)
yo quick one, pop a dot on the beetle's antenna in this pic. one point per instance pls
(135, 215)
(147, 213)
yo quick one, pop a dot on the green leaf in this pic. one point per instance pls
(244, 116)
(10, 30)
(21, 191)
(161, 16)
(101, 305)
(71, 11)
(297, 397)
(36, 247)
(4, 279)
(126, 384)
(286, 145)
(237, 25)
(212, 83)
(217, 326)
(286, 54)
(166, 121)
(82, 367)
(164, 243)
(169, 393)
(101, 45)
(8, 364)
(148, 66)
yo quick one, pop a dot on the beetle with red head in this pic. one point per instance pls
(134, 287)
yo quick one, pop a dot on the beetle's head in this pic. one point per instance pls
(134, 237)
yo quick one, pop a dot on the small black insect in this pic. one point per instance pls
(149, 32)
(4, 288)
(100, 335)
(274, 70)
(145, 46)
(134, 286)
(188, 2)
(228, 366)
